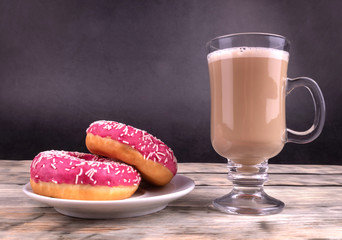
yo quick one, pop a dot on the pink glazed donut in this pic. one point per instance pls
(154, 160)
(81, 176)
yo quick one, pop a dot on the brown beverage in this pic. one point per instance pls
(248, 103)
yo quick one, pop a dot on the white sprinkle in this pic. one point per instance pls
(54, 181)
(67, 169)
(125, 142)
(117, 172)
(79, 174)
(53, 166)
(108, 171)
(149, 155)
(90, 173)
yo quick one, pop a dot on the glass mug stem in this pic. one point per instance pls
(315, 130)
(248, 196)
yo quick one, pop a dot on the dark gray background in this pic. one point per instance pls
(65, 64)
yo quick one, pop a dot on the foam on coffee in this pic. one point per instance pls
(248, 52)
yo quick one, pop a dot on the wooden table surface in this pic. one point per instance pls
(312, 194)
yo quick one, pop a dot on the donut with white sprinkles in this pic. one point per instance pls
(82, 176)
(154, 159)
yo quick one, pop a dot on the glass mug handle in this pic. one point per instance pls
(314, 131)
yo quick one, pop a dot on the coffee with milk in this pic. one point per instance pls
(248, 103)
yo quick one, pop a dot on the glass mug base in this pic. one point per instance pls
(247, 196)
(248, 203)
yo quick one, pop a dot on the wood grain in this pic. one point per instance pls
(312, 195)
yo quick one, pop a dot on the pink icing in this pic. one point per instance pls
(81, 168)
(149, 146)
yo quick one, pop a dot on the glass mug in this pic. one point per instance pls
(248, 88)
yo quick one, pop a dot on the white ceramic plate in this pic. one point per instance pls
(145, 201)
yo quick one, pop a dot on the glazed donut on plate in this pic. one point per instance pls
(154, 160)
(82, 176)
